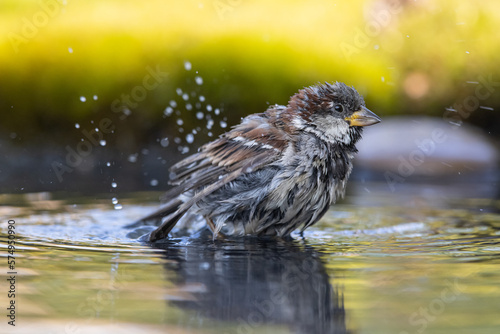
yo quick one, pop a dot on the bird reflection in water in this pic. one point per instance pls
(255, 282)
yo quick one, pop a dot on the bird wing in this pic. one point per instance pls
(254, 143)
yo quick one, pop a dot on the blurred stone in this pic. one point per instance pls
(413, 146)
(424, 158)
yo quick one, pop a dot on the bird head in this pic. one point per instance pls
(334, 112)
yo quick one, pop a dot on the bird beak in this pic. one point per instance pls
(363, 117)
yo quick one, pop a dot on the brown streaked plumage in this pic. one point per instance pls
(273, 172)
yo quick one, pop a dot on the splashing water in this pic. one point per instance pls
(201, 113)
(133, 157)
(164, 142)
(168, 111)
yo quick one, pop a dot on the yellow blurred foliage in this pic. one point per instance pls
(404, 56)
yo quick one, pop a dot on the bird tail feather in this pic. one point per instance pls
(169, 213)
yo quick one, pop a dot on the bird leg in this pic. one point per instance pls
(217, 235)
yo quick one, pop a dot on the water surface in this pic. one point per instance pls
(390, 266)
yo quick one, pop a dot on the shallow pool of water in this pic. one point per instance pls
(393, 266)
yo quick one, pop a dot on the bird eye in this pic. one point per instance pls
(339, 108)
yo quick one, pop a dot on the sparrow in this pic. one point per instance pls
(274, 172)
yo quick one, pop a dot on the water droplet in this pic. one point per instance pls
(118, 207)
(223, 124)
(70, 50)
(189, 106)
(217, 111)
(114, 184)
(185, 96)
(168, 111)
(153, 182)
(180, 122)
(95, 97)
(189, 138)
(77, 125)
(209, 107)
(164, 142)
(178, 91)
(114, 200)
(199, 80)
(173, 104)
(376, 47)
(199, 115)
(210, 123)
(187, 65)
(83, 99)
(201, 98)
(132, 158)
(108, 164)
(145, 151)
(102, 142)
(486, 108)
(177, 140)
(210, 134)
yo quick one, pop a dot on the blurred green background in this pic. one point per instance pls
(65, 66)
